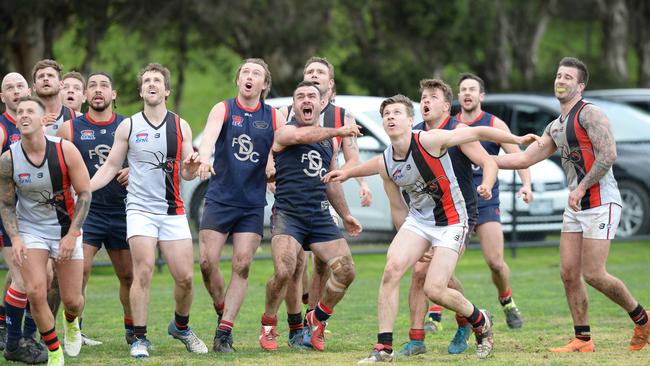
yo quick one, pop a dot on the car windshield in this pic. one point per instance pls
(628, 124)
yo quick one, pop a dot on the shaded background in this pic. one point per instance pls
(379, 47)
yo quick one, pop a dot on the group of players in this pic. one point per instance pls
(439, 175)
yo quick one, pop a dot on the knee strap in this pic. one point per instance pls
(336, 265)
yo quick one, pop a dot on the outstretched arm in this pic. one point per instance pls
(370, 167)
(526, 190)
(532, 155)
(115, 159)
(437, 141)
(291, 135)
(351, 154)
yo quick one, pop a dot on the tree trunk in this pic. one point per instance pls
(614, 44)
(640, 18)
(498, 63)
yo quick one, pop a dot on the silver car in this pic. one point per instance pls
(540, 217)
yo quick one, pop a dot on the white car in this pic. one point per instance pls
(548, 180)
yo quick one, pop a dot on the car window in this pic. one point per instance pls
(530, 119)
(498, 109)
(645, 106)
(629, 124)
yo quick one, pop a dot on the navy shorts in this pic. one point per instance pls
(488, 214)
(306, 229)
(232, 219)
(106, 226)
(4, 238)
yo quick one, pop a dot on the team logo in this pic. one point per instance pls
(87, 134)
(54, 201)
(575, 156)
(246, 114)
(101, 152)
(24, 178)
(166, 164)
(262, 125)
(14, 138)
(246, 151)
(237, 121)
(315, 166)
(141, 137)
(397, 175)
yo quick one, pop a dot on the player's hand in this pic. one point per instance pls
(575, 197)
(352, 129)
(337, 175)
(270, 175)
(123, 176)
(192, 163)
(484, 191)
(18, 251)
(426, 257)
(270, 186)
(366, 195)
(205, 169)
(352, 225)
(529, 139)
(526, 193)
(49, 118)
(66, 247)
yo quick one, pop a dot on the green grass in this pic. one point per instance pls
(536, 288)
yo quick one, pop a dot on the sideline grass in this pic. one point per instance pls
(536, 287)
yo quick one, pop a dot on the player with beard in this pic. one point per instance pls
(18, 342)
(583, 136)
(471, 91)
(93, 135)
(303, 152)
(240, 132)
(46, 76)
(158, 146)
(417, 162)
(72, 91)
(321, 72)
(39, 173)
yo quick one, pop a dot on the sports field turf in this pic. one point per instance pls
(536, 287)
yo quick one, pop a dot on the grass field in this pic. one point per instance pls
(536, 288)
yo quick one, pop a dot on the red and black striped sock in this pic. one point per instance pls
(3, 311)
(639, 315)
(225, 327)
(269, 320)
(322, 312)
(295, 323)
(218, 308)
(386, 340)
(477, 320)
(583, 332)
(416, 334)
(505, 298)
(68, 317)
(181, 321)
(15, 302)
(128, 323)
(51, 340)
(461, 321)
(140, 332)
(435, 312)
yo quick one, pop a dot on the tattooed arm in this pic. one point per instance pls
(596, 123)
(80, 181)
(351, 154)
(8, 208)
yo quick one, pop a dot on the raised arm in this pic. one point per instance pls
(115, 159)
(398, 208)
(370, 167)
(78, 174)
(533, 154)
(65, 131)
(477, 155)
(526, 190)
(291, 135)
(437, 141)
(211, 133)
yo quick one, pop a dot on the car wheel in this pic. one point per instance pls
(635, 215)
(198, 204)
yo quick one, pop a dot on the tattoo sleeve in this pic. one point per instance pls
(8, 196)
(81, 209)
(596, 123)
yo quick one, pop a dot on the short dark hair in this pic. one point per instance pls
(583, 74)
(156, 67)
(395, 99)
(320, 60)
(43, 64)
(437, 84)
(308, 83)
(75, 75)
(110, 79)
(29, 98)
(468, 75)
(267, 74)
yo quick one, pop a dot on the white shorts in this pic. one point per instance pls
(163, 227)
(452, 236)
(594, 223)
(52, 245)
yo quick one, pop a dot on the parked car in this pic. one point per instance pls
(527, 113)
(549, 183)
(639, 98)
